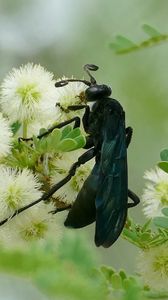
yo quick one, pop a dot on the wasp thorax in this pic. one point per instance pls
(96, 92)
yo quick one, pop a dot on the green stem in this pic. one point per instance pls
(45, 164)
(25, 130)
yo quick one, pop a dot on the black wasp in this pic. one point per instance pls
(104, 195)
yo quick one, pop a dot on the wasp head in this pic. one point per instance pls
(97, 92)
(94, 92)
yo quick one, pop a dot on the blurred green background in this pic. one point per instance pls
(63, 35)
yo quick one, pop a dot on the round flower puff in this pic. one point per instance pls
(5, 137)
(153, 267)
(28, 94)
(17, 188)
(155, 195)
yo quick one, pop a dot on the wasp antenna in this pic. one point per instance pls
(90, 67)
(66, 81)
(61, 83)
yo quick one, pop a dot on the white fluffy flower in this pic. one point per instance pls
(153, 267)
(17, 188)
(5, 137)
(28, 94)
(155, 195)
(36, 223)
(70, 94)
(69, 191)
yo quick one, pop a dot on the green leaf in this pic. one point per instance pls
(164, 155)
(54, 138)
(133, 292)
(60, 140)
(15, 127)
(122, 43)
(74, 133)
(43, 145)
(146, 225)
(116, 281)
(126, 283)
(130, 235)
(67, 145)
(42, 130)
(152, 32)
(81, 141)
(66, 130)
(35, 141)
(56, 133)
(163, 165)
(161, 222)
(107, 271)
(122, 274)
(145, 236)
(165, 211)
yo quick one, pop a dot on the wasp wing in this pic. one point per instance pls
(83, 211)
(111, 199)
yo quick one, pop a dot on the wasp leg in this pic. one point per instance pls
(75, 119)
(129, 132)
(89, 142)
(77, 107)
(85, 119)
(76, 124)
(88, 155)
(134, 197)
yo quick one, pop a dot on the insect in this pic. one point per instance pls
(104, 195)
